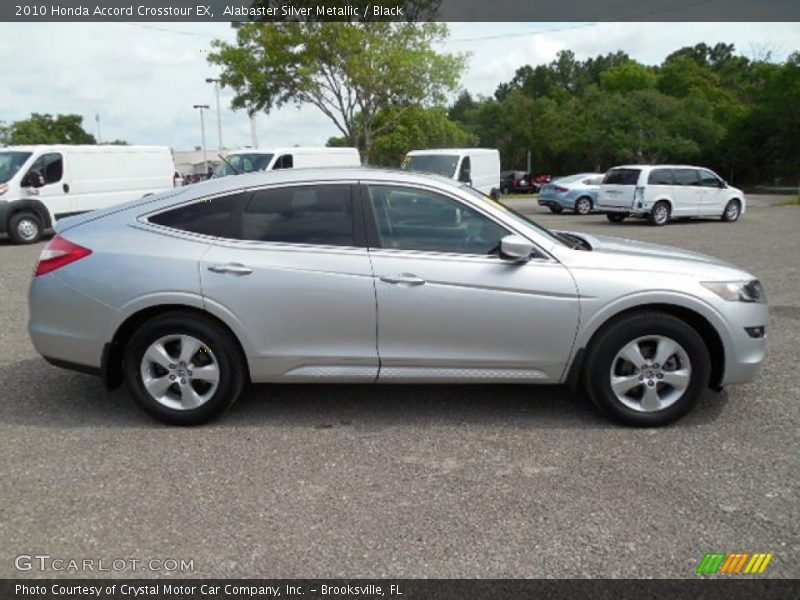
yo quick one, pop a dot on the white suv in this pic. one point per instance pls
(660, 192)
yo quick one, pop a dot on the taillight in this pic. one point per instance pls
(59, 253)
(561, 190)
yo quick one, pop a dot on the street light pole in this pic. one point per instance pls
(203, 107)
(219, 114)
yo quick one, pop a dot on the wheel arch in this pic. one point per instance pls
(697, 321)
(113, 351)
(29, 205)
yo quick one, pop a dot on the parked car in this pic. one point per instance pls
(296, 157)
(662, 192)
(478, 167)
(41, 184)
(575, 192)
(539, 180)
(516, 182)
(368, 276)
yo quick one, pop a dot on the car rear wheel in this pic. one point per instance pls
(732, 212)
(647, 370)
(556, 208)
(25, 228)
(616, 217)
(583, 205)
(660, 214)
(506, 190)
(183, 369)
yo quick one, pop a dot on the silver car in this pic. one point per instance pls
(367, 276)
(575, 192)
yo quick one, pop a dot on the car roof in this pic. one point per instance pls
(658, 167)
(308, 149)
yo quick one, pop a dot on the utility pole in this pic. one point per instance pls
(97, 125)
(253, 131)
(203, 107)
(219, 113)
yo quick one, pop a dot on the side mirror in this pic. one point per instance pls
(515, 249)
(32, 179)
(723, 183)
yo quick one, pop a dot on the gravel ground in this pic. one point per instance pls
(412, 481)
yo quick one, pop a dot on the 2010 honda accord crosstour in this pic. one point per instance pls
(368, 276)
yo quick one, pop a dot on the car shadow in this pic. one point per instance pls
(37, 394)
(646, 223)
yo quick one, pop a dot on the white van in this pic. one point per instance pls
(41, 184)
(662, 192)
(298, 157)
(478, 167)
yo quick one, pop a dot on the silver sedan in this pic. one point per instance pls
(367, 276)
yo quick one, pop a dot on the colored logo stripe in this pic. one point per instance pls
(720, 562)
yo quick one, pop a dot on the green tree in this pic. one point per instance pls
(352, 72)
(46, 129)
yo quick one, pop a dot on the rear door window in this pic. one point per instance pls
(311, 214)
(661, 177)
(622, 177)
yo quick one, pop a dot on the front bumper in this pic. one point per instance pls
(744, 354)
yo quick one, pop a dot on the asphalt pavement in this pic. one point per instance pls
(411, 481)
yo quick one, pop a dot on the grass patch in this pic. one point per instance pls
(789, 202)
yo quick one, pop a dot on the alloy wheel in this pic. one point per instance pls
(650, 373)
(180, 372)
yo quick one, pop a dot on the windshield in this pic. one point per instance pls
(243, 163)
(518, 216)
(438, 164)
(10, 163)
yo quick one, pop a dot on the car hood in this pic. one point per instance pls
(633, 254)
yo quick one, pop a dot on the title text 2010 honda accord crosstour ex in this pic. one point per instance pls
(367, 276)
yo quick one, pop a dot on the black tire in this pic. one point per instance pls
(223, 349)
(660, 214)
(616, 217)
(506, 190)
(621, 332)
(555, 208)
(732, 212)
(25, 228)
(583, 205)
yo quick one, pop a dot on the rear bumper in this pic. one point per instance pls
(66, 326)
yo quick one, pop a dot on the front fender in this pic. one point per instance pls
(9, 207)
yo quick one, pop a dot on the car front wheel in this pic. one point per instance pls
(732, 211)
(24, 228)
(556, 208)
(616, 217)
(183, 369)
(647, 370)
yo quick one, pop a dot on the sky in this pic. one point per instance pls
(142, 79)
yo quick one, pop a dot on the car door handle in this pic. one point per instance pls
(231, 269)
(404, 279)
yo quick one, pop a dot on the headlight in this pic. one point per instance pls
(742, 291)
